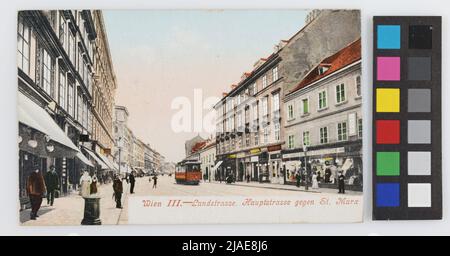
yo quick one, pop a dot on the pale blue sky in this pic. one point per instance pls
(159, 55)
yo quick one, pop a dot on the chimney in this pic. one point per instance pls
(224, 94)
(233, 86)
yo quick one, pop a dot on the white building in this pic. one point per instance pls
(324, 114)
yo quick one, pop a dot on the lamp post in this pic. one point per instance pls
(305, 150)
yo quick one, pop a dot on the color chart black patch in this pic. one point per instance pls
(407, 175)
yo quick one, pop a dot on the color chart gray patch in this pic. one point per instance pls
(419, 100)
(419, 68)
(419, 131)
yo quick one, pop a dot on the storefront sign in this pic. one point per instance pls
(318, 152)
(274, 148)
(275, 156)
(232, 156)
(255, 151)
(240, 155)
(254, 159)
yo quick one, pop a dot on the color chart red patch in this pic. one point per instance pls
(388, 131)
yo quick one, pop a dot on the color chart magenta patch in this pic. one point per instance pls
(407, 175)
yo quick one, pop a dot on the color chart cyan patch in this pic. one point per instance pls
(407, 175)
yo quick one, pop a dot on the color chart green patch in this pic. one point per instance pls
(388, 163)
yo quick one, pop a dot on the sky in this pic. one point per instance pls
(160, 55)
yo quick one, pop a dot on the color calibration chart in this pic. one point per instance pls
(407, 175)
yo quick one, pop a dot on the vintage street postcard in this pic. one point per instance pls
(189, 116)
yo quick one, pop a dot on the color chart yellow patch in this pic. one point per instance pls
(388, 100)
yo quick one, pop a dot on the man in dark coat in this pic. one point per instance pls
(118, 190)
(35, 190)
(155, 181)
(52, 184)
(132, 181)
(341, 183)
(298, 177)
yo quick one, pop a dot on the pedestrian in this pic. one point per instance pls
(85, 183)
(327, 175)
(315, 183)
(248, 177)
(132, 182)
(93, 186)
(35, 190)
(298, 178)
(118, 190)
(155, 180)
(341, 183)
(52, 184)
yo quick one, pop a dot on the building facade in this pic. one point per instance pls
(250, 131)
(208, 160)
(323, 122)
(57, 55)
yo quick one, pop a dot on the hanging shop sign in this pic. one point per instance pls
(274, 148)
(255, 151)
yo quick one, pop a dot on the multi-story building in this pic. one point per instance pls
(103, 90)
(323, 120)
(58, 53)
(139, 159)
(208, 159)
(250, 132)
(123, 139)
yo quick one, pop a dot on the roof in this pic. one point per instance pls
(344, 57)
(198, 146)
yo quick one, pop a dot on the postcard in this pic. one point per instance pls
(189, 116)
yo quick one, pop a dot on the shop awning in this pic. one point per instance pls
(347, 165)
(107, 161)
(32, 115)
(97, 159)
(217, 165)
(83, 159)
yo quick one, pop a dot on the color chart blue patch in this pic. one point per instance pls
(388, 194)
(388, 37)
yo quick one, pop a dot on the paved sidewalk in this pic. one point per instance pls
(287, 187)
(69, 210)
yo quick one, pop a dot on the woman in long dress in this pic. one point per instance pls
(315, 183)
(85, 183)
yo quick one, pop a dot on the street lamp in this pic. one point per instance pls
(305, 150)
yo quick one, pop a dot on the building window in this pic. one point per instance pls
(277, 131)
(80, 108)
(306, 141)
(276, 102)
(322, 99)
(70, 97)
(266, 135)
(254, 89)
(323, 135)
(247, 140)
(342, 131)
(47, 69)
(264, 81)
(305, 106)
(256, 138)
(23, 46)
(71, 48)
(62, 89)
(340, 93)
(62, 31)
(291, 141)
(275, 74)
(239, 122)
(360, 128)
(255, 112)
(265, 106)
(358, 85)
(290, 111)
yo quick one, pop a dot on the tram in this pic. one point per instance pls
(188, 172)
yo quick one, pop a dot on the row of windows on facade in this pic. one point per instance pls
(252, 90)
(342, 135)
(208, 159)
(324, 138)
(322, 99)
(228, 124)
(246, 140)
(66, 86)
